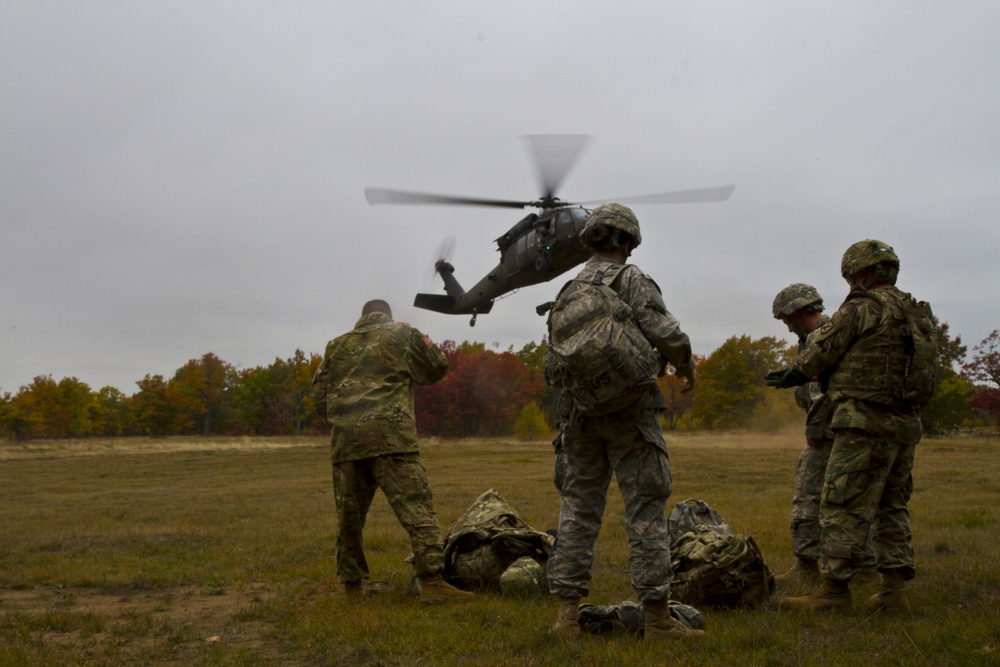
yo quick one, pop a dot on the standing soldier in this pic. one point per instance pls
(800, 307)
(364, 386)
(878, 357)
(626, 442)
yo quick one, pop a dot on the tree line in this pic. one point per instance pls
(486, 393)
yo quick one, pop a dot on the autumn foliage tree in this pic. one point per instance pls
(482, 394)
(678, 404)
(984, 370)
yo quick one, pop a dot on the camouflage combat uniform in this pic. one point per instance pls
(810, 468)
(869, 474)
(628, 443)
(365, 382)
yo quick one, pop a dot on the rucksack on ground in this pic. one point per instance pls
(605, 361)
(490, 540)
(713, 565)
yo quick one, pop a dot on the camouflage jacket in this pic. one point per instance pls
(365, 382)
(811, 398)
(660, 327)
(856, 319)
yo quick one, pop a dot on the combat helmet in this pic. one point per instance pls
(794, 297)
(523, 578)
(615, 216)
(867, 253)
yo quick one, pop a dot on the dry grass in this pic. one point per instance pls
(219, 552)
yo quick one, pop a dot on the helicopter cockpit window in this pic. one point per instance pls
(522, 243)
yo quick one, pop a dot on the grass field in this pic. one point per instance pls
(220, 552)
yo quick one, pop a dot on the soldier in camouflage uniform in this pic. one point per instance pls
(364, 388)
(859, 355)
(800, 307)
(627, 443)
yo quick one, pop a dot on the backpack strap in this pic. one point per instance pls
(610, 276)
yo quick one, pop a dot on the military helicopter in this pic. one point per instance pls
(540, 246)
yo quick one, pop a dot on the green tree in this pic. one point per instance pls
(202, 386)
(20, 419)
(79, 408)
(950, 407)
(731, 381)
(113, 412)
(531, 423)
(42, 406)
(154, 406)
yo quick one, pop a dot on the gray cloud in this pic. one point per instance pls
(181, 178)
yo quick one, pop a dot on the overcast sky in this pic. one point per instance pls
(185, 177)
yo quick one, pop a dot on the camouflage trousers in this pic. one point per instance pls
(810, 472)
(868, 480)
(403, 480)
(635, 452)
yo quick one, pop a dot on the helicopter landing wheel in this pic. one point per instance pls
(472, 322)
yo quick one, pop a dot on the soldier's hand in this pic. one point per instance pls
(774, 377)
(785, 378)
(687, 382)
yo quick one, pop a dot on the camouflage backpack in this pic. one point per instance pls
(604, 360)
(486, 548)
(713, 565)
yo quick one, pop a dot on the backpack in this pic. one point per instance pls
(713, 565)
(920, 338)
(604, 360)
(487, 539)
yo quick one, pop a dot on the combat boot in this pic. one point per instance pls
(892, 598)
(434, 589)
(803, 571)
(568, 620)
(660, 627)
(354, 590)
(833, 595)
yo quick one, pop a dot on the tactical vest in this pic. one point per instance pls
(882, 366)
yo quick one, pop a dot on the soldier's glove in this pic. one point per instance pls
(788, 377)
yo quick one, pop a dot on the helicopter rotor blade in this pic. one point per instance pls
(700, 195)
(445, 251)
(377, 196)
(555, 155)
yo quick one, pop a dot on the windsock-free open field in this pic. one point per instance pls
(220, 552)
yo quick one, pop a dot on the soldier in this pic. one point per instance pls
(875, 356)
(800, 307)
(364, 388)
(627, 443)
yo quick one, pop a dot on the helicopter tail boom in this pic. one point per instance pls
(442, 303)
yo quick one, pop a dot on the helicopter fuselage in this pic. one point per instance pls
(537, 249)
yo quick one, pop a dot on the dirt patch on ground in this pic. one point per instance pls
(135, 445)
(176, 626)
